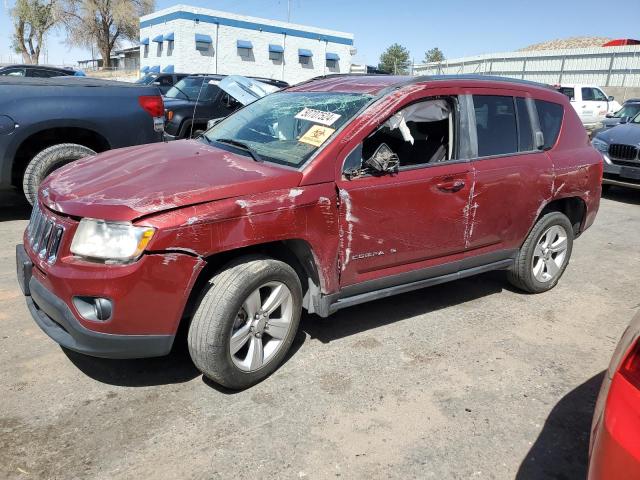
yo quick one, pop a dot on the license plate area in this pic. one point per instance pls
(24, 269)
(630, 172)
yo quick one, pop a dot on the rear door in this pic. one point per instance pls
(511, 175)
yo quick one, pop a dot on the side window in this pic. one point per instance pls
(599, 96)
(496, 125)
(419, 134)
(569, 92)
(166, 81)
(587, 94)
(40, 73)
(525, 131)
(14, 72)
(550, 118)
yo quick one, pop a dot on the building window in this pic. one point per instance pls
(305, 56)
(332, 60)
(245, 49)
(203, 43)
(276, 52)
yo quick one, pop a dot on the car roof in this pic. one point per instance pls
(377, 84)
(46, 67)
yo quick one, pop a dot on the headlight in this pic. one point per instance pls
(600, 145)
(116, 242)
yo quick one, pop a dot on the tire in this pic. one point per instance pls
(528, 273)
(47, 161)
(224, 312)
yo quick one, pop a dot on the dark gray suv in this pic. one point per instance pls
(620, 149)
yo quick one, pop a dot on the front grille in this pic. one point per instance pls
(44, 235)
(623, 152)
(626, 163)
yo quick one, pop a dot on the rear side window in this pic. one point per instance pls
(569, 92)
(525, 131)
(550, 118)
(496, 125)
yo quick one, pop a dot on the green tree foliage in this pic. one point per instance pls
(103, 23)
(395, 59)
(31, 20)
(434, 55)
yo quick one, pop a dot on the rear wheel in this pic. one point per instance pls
(246, 321)
(47, 161)
(545, 254)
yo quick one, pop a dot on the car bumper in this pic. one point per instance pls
(616, 442)
(144, 319)
(624, 176)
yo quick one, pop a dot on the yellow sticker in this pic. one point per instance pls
(317, 135)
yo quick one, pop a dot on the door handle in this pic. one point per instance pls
(451, 186)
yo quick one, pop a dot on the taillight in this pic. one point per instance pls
(152, 104)
(630, 367)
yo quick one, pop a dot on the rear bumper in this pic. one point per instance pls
(615, 441)
(57, 320)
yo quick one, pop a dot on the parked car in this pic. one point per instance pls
(196, 99)
(614, 450)
(322, 196)
(164, 81)
(620, 148)
(48, 122)
(39, 71)
(629, 109)
(591, 103)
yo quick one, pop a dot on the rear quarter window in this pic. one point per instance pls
(550, 118)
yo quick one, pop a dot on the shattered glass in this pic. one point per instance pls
(270, 127)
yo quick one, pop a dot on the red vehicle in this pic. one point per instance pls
(614, 450)
(322, 196)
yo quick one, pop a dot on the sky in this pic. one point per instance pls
(458, 28)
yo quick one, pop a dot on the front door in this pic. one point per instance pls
(412, 219)
(594, 105)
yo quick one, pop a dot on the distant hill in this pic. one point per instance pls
(573, 42)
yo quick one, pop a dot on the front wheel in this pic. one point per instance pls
(544, 255)
(246, 321)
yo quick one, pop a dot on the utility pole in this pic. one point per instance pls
(288, 10)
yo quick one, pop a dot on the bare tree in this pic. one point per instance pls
(32, 19)
(103, 23)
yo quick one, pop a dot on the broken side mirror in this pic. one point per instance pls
(383, 160)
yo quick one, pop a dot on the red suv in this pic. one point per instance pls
(322, 196)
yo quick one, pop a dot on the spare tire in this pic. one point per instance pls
(47, 161)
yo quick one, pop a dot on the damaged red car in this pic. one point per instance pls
(334, 192)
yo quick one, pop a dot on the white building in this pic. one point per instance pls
(198, 40)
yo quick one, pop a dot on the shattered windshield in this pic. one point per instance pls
(287, 127)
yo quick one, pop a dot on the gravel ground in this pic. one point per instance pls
(465, 380)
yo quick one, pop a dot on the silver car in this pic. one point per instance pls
(620, 149)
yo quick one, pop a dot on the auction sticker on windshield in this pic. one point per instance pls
(317, 135)
(318, 116)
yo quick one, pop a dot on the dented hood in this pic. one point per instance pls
(129, 183)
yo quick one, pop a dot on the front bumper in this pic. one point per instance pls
(57, 320)
(624, 176)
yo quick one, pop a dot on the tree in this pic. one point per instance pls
(104, 23)
(395, 59)
(434, 55)
(32, 19)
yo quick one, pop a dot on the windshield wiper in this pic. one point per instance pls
(243, 146)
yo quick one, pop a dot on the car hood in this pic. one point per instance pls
(627, 133)
(129, 183)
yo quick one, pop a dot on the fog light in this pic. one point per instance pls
(93, 308)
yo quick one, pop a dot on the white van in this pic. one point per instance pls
(591, 103)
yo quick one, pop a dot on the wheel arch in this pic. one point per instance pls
(575, 208)
(38, 141)
(297, 253)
